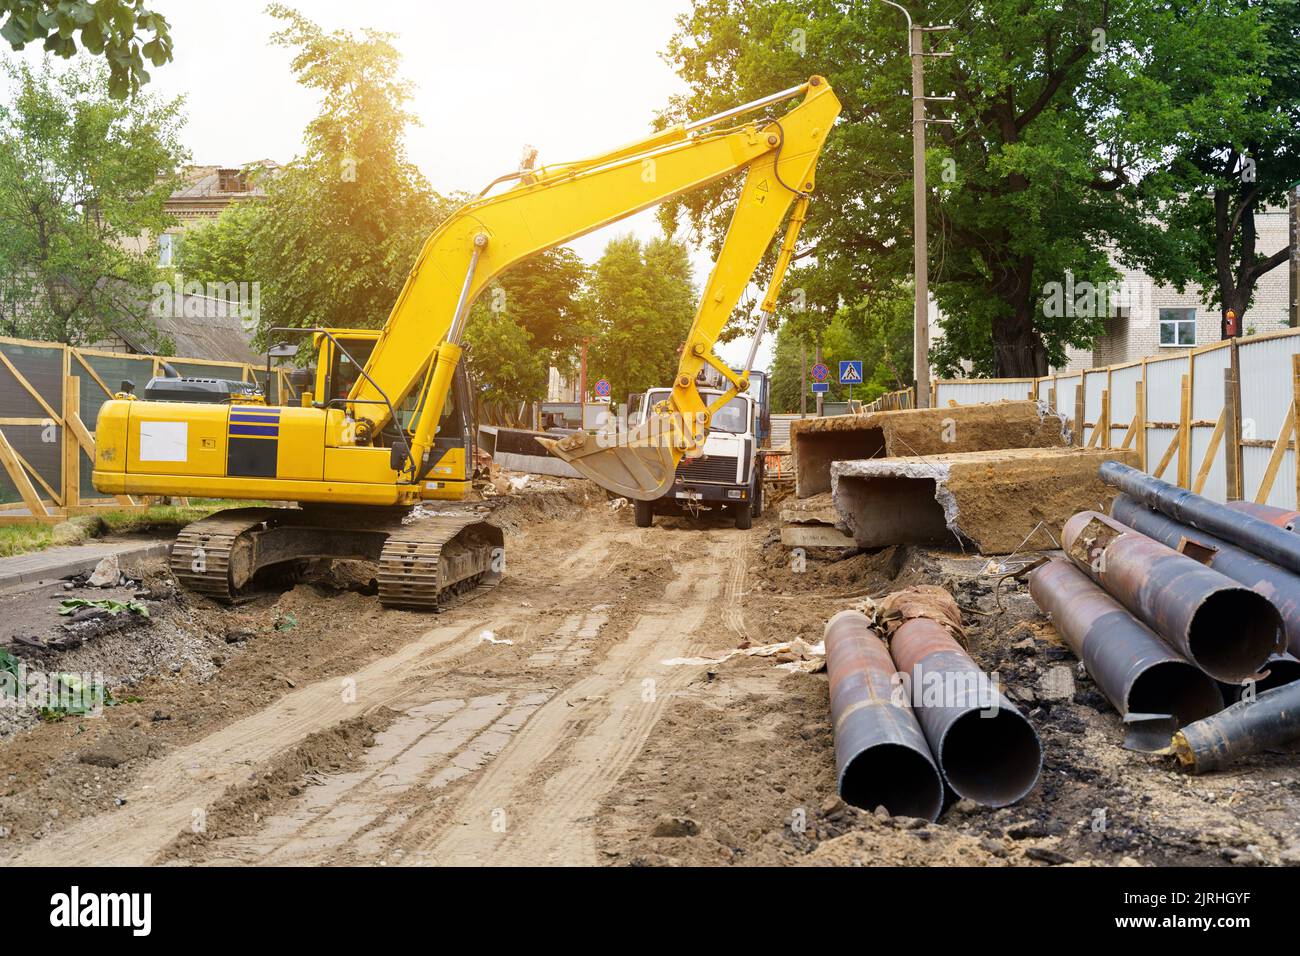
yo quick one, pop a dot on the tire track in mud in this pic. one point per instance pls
(170, 789)
(536, 803)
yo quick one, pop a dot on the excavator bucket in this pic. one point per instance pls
(631, 466)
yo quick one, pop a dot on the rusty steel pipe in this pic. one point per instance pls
(1235, 525)
(1138, 672)
(1247, 727)
(1280, 586)
(881, 757)
(1278, 517)
(1224, 628)
(987, 751)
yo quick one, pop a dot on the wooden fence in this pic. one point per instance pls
(50, 396)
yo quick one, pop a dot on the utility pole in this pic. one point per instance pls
(803, 382)
(1295, 253)
(820, 395)
(920, 249)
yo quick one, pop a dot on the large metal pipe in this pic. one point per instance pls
(881, 757)
(1234, 525)
(1224, 628)
(1138, 672)
(987, 750)
(1280, 517)
(1271, 719)
(1280, 586)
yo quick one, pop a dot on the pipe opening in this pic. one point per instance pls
(1281, 671)
(1233, 634)
(898, 778)
(893, 509)
(991, 759)
(818, 449)
(1175, 687)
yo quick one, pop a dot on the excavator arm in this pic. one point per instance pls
(420, 345)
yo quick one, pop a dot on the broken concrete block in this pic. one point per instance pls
(816, 442)
(106, 574)
(814, 523)
(991, 500)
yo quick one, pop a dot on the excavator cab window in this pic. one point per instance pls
(343, 374)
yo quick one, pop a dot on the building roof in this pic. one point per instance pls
(225, 183)
(198, 327)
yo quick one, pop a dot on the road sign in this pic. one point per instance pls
(603, 388)
(851, 372)
(821, 387)
(820, 372)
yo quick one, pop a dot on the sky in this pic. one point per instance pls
(570, 77)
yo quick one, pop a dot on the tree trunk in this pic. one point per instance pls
(1017, 347)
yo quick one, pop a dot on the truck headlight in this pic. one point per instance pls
(734, 494)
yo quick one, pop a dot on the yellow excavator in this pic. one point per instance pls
(386, 423)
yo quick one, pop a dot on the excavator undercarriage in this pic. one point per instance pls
(426, 561)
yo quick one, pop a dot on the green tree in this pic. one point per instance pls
(1224, 91)
(1029, 183)
(115, 30)
(83, 182)
(342, 225)
(529, 319)
(641, 303)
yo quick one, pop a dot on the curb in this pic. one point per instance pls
(76, 565)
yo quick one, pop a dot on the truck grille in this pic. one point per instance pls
(717, 469)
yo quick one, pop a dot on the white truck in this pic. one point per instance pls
(729, 475)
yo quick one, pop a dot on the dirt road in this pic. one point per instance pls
(540, 723)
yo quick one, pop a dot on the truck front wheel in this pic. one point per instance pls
(645, 513)
(744, 516)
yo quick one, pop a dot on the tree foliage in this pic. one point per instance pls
(529, 319)
(83, 182)
(342, 225)
(1224, 93)
(124, 33)
(641, 302)
(1034, 180)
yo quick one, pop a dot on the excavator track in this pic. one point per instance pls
(426, 562)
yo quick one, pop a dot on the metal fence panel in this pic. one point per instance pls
(983, 392)
(1207, 407)
(1123, 402)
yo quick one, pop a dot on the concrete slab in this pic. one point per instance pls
(816, 442)
(991, 500)
(815, 536)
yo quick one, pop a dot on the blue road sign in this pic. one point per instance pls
(851, 372)
(603, 388)
(820, 372)
(821, 387)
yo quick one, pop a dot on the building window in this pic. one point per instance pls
(1177, 328)
(168, 243)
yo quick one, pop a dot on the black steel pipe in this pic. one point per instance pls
(988, 751)
(1224, 628)
(1138, 672)
(1279, 517)
(1280, 586)
(881, 757)
(1237, 526)
(1272, 719)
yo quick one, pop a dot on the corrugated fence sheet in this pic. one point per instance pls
(1124, 382)
(983, 391)
(1208, 469)
(1264, 367)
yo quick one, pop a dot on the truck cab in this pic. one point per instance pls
(728, 477)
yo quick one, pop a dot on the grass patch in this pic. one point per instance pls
(169, 517)
(21, 538)
(156, 519)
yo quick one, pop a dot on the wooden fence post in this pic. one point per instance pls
(1185, 434)
(71, 446)
(1232, 430)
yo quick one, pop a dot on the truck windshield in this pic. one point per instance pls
(732, 417)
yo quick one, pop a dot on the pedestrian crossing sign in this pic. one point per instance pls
(851, 372)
